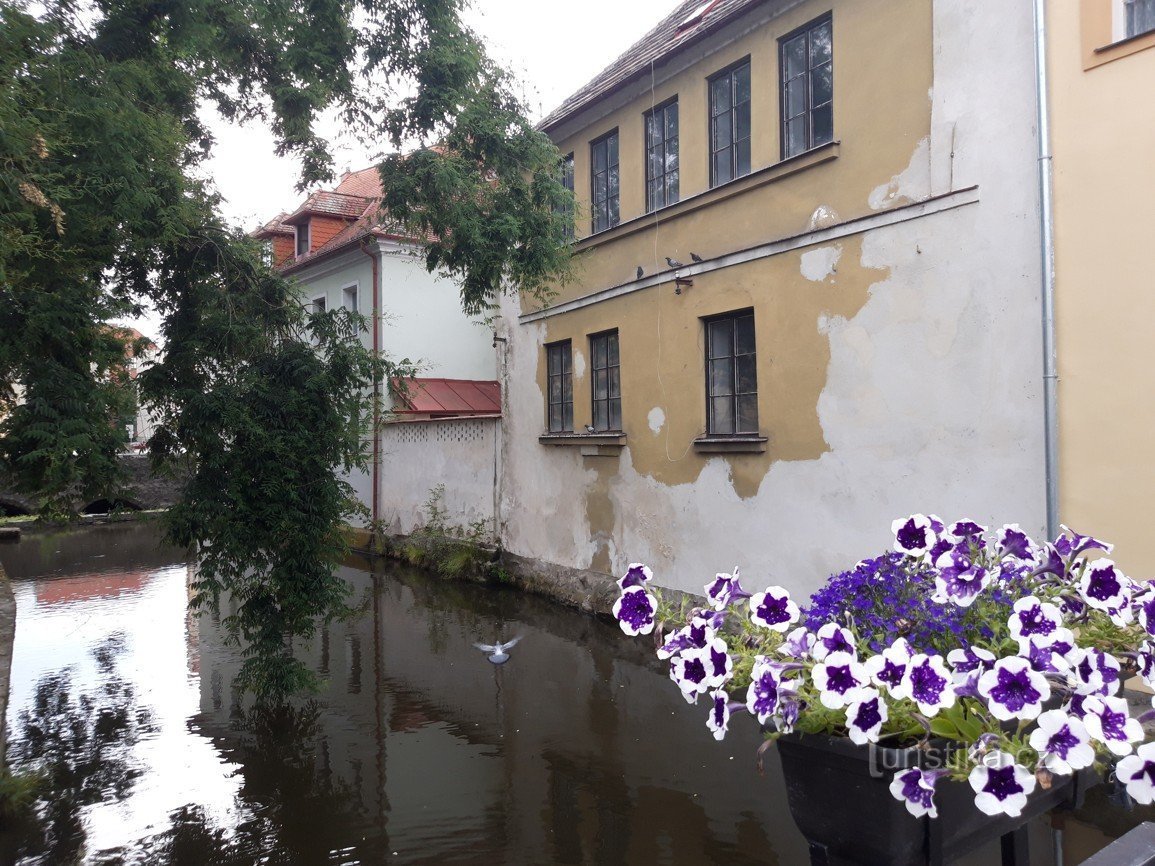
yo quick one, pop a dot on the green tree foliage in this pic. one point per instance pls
(101, 212)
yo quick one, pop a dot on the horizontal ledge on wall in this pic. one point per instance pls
(730, 444)
(614, 441)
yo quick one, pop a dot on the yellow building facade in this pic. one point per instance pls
(1101, 66)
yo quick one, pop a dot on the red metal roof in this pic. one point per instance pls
(443, 397)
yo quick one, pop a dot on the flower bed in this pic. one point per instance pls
(1012, 652)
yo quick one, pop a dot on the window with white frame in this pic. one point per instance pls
(319, 305)
(349, 298)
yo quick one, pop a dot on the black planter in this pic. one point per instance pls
(848, 815)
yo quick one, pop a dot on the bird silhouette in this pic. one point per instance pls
(497, 652)
(641, 273)
(673, 263)
(696, 257)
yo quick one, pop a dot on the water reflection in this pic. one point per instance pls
(416, 750)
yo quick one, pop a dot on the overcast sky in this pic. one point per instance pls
(554, 50)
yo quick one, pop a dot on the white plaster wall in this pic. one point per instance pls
(933, 395)
(416, 456)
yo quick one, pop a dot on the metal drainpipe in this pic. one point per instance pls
(375, 474)
(1047, 226)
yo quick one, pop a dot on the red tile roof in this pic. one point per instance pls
(327, 203)
(448, 397)
(366, 182)
(275, 226)
(689, 22)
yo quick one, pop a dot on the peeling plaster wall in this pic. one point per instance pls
(899, 369)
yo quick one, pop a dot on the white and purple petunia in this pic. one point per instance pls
(888, 668)
(719, 665)
(915, 789)
(865, 716)
(684, 639)
(967, 665)
(1001, 786)
(799, 644)
(1145, 661)
(690, 672)
(1011, 541)
(839, 678)
(1034, 618)
(719, 719)
(1071, 543)
(914, 535)
(927, 682)
(1137, 772)
(1108, 721)
(1144, 602)
(966, 530)
(1104, 587)
(1048, 655)
(765, 687)
(1013, 689)
(1093, 672)
(635, 610)
(833, 638)
(725, 589)
(958, 579)
(1062, 742)
(636, 575)
(773, 609)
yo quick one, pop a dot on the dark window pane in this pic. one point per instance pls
(654, 194)
(600, 187)
(796, 136)
(567, 416)
(742, 158)
(672, 121)
(747, 414)
(655, 130)
(601, 416)
(613, 182)
(598, 350)
(599, 153)
(613, 216)
(721, 376)
(672, 187)
(555, 389)
(747, 375)
(567, 389)
(744, 335)
(612, 342)
(601, 385)
(720, 95)
(821, 85)
(794, 53)
(720, 338)
(612, 145)
(672, 154)
(615, 414)
(721, 167)
(820, 47)
(722, 415)
(742, 84)
(615, 382)
(742, 122)
(722, 132)
(823, 130)
(795, 97)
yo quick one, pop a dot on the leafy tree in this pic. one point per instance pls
(261, 403)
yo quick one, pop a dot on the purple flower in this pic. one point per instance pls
(915, 789)
(966, 530)
(865, 716)
(719, 718)
(1104, 587)
(773, 609)
(1145, 659)
(1012, 541)
(690, 672)
(682, 640)
(1062, 742)
(719, 665)
(724, 589)
(959, 580)
(1034, 617)
(888, 669)
(1145, 607)
(1093, 672)
(833, 638)
(765, 684)
(1047, 657)
(968, 664)
(1071, 543)
(839, 678)
(927, 683)
(913, 535)
(1001, 786)
(634, 611)
(1108, 721)
(1013, 690)
(1137, 772)
(636, 575)
(798, 644)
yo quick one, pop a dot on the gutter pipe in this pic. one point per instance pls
(376, 468)
(1047, 229)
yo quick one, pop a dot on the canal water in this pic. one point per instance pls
(416, 749)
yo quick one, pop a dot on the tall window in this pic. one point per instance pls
(807, 62)
(730, 124)
(349, 298)
(1139, 17)
(560, 384)
(302, 239)
(567, 182)
(607, 382)
(731, 377)
(604, 181)
(662, 156)
(319, 305)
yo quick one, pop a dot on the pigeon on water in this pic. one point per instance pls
(497, 652)
(641, 273)
(696, 257)
(673, 263)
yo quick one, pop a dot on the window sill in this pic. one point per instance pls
(1122, 48)
(741, 444)
(609, 439)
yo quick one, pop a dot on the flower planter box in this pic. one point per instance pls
(848, 815)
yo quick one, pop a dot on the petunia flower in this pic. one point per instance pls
(1062, 742)
(914, 788)
(1093, 672)
(1109, 722)
(719, 719)
(927, 682)
(683, 639)
(839, 678)
(1013, 690)
(719, 665)
(1001, 786)
(1071, 543)
(689, 671)
(833, 638)
(1137, 772)
(798, 644)
(888, 669)
(1033, 617)
(966, 530)
(967, 665)
(765, 686)
(865, 716)
(1145, 660)
(1046, 657)
(725, 589)
(1145, 608)
(636, 575)
(773, 609)
(959, 579)
(1104, 587)
(1011, 541)
(913, 535)
(634, 611)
